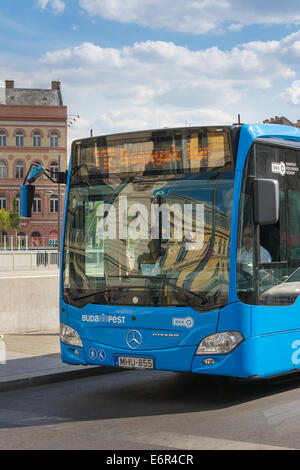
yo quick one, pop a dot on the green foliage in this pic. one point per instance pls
(4, 222)
(4, 219)
(10, 219)
(14, 216)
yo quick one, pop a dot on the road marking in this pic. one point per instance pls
(193, 442)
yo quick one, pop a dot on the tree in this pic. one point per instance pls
(14, 217)
(4, 221)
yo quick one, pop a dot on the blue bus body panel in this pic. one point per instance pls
(110, 323)
(171, 335)
(236, 317)
(267, 320)
(264, 352)
(250, 132)
(258, 356)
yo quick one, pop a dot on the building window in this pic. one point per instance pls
(2, 203)
(37, 204)
(36, 239)
(54, 203)
(36, 140)
(54, 167)
(20, 170)
(18, 201)
(3, 168)
(2, 139)
(19, 139)
(54, 139)
(22, 238)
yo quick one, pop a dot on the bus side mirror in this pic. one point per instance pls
(34, 174)
(26, 199)
(266, 201)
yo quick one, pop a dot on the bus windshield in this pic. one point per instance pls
(153, 239)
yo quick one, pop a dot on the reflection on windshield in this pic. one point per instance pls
(294, 277)
(149, 242)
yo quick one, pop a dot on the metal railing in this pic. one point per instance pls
(17, 260)
(24, 242)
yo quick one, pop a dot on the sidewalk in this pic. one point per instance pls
(34, 359)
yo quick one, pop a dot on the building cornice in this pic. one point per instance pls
(47, 113)
(10, 149)
(26, 123)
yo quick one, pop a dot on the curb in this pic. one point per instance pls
(55, 377)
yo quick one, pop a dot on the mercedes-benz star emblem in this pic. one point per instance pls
(134, 339)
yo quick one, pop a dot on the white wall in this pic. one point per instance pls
(29, 301)
(27, 259)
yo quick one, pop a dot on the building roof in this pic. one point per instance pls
(282, 120)
(30, 96)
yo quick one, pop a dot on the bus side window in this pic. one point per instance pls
(279, 284)
(270, 240)
(257, 282)
(293, 239)
(245, 251)
(272, 237)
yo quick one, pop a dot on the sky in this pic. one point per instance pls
(128, 65)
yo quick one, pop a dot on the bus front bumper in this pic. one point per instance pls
(181, 359)
(258, 356)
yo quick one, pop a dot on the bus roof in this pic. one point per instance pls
(162, 131)
(257, 130)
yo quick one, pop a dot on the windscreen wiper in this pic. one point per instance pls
(195, 301)
(98, 291)
(137, 276)
(107, 288)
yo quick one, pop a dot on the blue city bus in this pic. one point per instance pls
(181, 251)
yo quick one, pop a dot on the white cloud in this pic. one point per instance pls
(153, 69)
(148, 117)
(154, 84)
(57, 6)
(86, 53)
(235, 27)
(292, 93)
(195, 16)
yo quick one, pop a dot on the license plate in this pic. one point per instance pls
(134, 362)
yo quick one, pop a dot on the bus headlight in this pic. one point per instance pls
(70, 336)
(220, 343)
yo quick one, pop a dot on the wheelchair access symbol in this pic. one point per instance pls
(101, 355)
(95, 354)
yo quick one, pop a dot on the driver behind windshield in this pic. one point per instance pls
(245, 254)
(153, 257)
